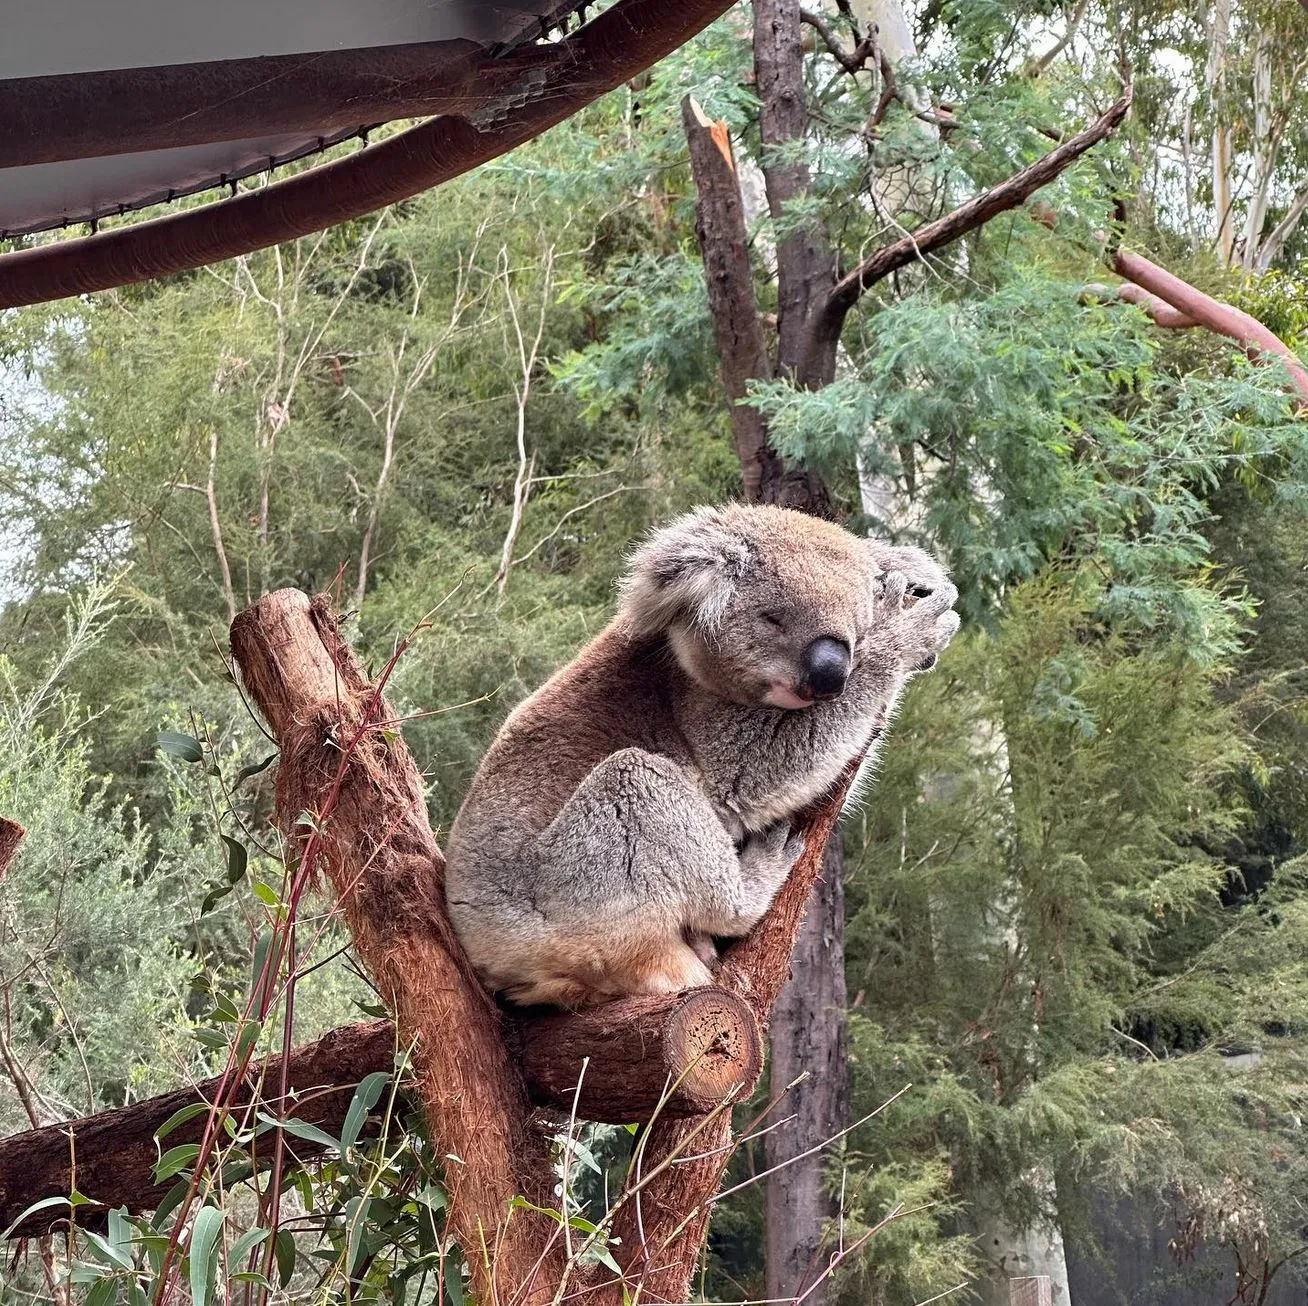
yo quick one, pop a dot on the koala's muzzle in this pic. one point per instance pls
(825, 668)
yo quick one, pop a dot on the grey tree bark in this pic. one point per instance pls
(808, 1067)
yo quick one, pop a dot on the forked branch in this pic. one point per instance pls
(828, 321)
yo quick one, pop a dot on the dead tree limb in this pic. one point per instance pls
(383, 862)
(1192, 307)
(115, 1151)
(680, 1055)
(827, 321)
(724, 247)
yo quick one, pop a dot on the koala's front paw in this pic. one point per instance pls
(931, 623)
(769, 857)
(925, 618)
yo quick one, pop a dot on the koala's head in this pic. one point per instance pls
(764, 605)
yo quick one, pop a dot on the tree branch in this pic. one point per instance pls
(1275, 242)
(724, 247)
(852, 61)
(1041, 62)
(704, 1043)
(215, 525)
(1259, 343)
(1159, 310)
(828, 321)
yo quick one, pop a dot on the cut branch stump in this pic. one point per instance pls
(681, 1055)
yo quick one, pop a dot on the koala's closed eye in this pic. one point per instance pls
(915, 593)
(773, 619)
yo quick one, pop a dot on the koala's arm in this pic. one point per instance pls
(639, 830)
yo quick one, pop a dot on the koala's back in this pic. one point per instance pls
(616, 694)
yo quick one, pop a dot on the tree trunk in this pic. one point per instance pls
(724, 247)
(683, 1161)
(808, 1044)
(808, 1024)
(1219, 36)
(370, 830)
(11, 835)
(806, 265)
(1034, 1252)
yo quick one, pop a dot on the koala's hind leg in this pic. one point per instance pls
(635, 859)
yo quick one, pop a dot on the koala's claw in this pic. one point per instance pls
(932, 624)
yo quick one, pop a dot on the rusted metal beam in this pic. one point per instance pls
(610, 50)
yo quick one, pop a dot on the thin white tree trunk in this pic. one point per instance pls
(1275, 243)
(1264, 149)
(215, 525)
(1219, 37)
(528, 356)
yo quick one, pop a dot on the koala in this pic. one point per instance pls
(638, 805)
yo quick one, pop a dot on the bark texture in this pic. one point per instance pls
(377, 848)
(681, 1055)
(114, 1152)
(812, 1051)
(724, 247)
(11, 835)
(806, 265)
(667, 1209)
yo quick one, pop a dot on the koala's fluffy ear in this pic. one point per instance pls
(685, 572)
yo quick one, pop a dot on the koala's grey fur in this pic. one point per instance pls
(639, 803)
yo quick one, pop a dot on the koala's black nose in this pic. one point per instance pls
(826, 667)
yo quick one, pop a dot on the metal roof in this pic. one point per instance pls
(109, 106)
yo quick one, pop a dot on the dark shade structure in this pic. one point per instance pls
(116, 105)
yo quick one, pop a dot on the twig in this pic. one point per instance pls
(573, 512)
(1041, 62)
(979, 210)
(215, 525)
(527, 358)
(851, 61)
